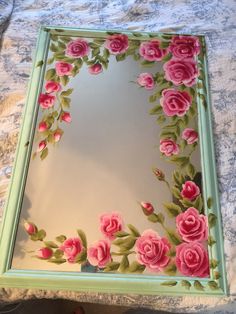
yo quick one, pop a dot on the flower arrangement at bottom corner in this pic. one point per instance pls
(129, 251)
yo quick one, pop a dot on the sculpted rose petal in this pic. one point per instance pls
(110, 223)
(169, 147)
(190, 135)
(190, 190)
(63, 68)
(151, 50)
(46, 101)
(52, 86)
(99, 253)
(77, 48)
(45, 253)
(71, 248)
(183, 47)
(146, 80)
(117, 44)
(175, 102)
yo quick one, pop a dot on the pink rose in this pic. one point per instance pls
(110, 223)
(146, 80)
(192, 259)
(169, 147)
(190, 135)
(71, 248)
(63, 68)
(175, 102)
(95, 69)
(99, 253)
(66, 117)
(190, 190)
(52, 86)
(192, 226)
(151, 50)
(152, 250)
(46, 101)
(117, 44)
(41, 146)
(148, 209)
(30, 228)
(42, 126)
(183, 47)
(77, 48)
(45, 253)
(181, 72)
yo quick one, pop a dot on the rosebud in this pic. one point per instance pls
(42, 126)
(30, 228)
(57, 136)
(159, 174)
(147, 208)
(45, 253)
(95, 68)
(41, 146)
(66, 117)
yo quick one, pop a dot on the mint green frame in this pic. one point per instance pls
(108, 283)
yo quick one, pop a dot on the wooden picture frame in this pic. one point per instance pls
(179, 250)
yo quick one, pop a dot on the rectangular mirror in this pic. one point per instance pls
(114, 186)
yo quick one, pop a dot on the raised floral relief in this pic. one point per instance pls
(122, 247)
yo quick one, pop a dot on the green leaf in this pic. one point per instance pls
(59, 30)
(156, 110)
(67, 92)
(180, 160)
(176, 192)
(61, 45)
(164, 44)
(95, 52)
(170, 270)
(44, 153)
(133, 230)
(198, 286)
(82, 236)
(41, 234)
(39, 64)
(213, 285)
(170, 283)
(65, 39)
(57, 261)
(34, 237)
(186, 203)
(161, 119)
(112, 266)
(61, 238)
(211, 241)
(172, 209)
(51, 244)
(120, 57)
(64, 80)
(168, 134)
(146, 63)
(53, 37)
(167, 57)
(54, 48)
(121, 234)
(212, 219)
(216, 275)
(178, 178)
(152, 98)
(209, 202)
(213, 263)
(135, 267)
(124, 264)
(58, 254)
(156, 218)
(190, 170)
(136, 34)
(198, 204)
(81, 257)
(65, 102)
(186, 284)
(128, 243)
(173, 237)
(50, 60)
(106, 53)
(50, 74)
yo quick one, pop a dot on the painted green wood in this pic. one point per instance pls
(111, 283)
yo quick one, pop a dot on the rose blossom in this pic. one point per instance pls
(190, 190)
(99, 253)
(63, 68)
(151, 50)
(192, 259)
(169, 147)
(117, 44)
(191, 225)
(57, 135)
(41, 146)
(71, 248)
(110, 223)
(146, 80)
(42, 126)
(66, 117)
(46, 101)
(45, 253)
(152, 250)
(77, 48)
(52, 86)
(148, 209)
(30, 228)
(181, 72)
(175, 102)
(95, 68)
(183, 47)
(190, 135)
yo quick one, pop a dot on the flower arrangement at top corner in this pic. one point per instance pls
(69, 55)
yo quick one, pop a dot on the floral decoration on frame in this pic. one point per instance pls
(123, 248)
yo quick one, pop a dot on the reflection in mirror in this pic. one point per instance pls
(114, 182)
